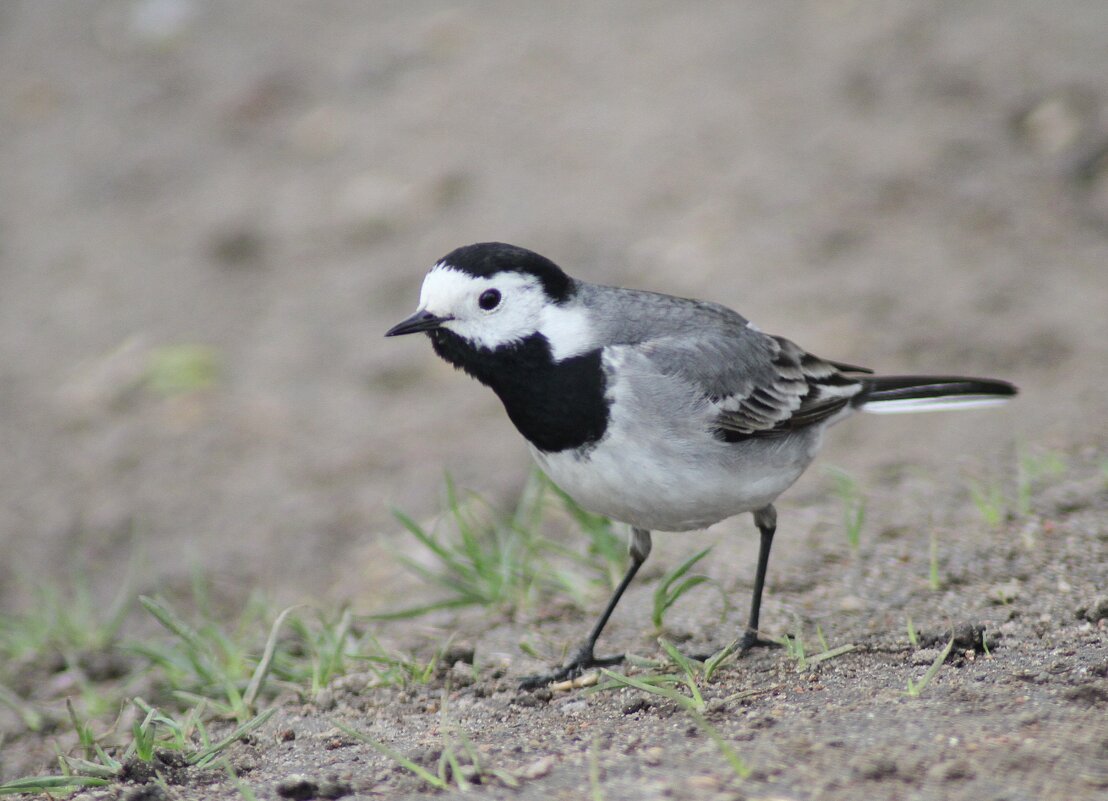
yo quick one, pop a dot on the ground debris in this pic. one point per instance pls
(966, 636)
(298, 787)
(1094, 610)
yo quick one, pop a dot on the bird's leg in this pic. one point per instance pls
(766, 521)
(584, 658)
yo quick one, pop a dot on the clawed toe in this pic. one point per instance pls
(583, 661)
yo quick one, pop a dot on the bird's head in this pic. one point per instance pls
(494, 296)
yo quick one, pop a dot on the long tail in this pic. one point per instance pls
(894, 394)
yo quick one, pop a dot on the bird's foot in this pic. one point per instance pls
(750, 639)
(581, 662)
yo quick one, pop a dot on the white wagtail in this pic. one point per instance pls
(664, 413)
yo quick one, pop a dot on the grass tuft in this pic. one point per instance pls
(796, 650)
(397, 670)
(206, 671)
(489, 559)
(996, 505)
(450, 770)
(853, 504)
(675, 584)
(990, 503)
(206, 664)
(182, 368)
(913, 637)
(693, 704)
(64, 619)
(934, 580)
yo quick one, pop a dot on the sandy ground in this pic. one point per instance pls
(910, 186)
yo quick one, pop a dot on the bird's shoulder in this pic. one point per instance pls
(631, 317)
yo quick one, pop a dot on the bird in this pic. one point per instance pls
(664, 413)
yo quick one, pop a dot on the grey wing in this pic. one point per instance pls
(757, 385)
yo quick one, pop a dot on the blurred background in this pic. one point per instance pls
(211, 211)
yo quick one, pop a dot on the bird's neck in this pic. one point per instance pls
(556, 405)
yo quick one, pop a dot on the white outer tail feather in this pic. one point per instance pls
(941, 404)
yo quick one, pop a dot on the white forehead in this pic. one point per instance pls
(525, 309)
(446, 288)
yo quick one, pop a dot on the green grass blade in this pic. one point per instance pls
(718, 658)
(451, 759)
(31, 718)
(169, 619)
(831, 653)
(934, 581)
(421, 534)
(407, 764)
(202, 758)
(419, 611)
(682, 588)
(262, 670)
(683, 568)
(733, 759)
(666, 595)
(50, 784)
(198, 652)
(596, 790)
(915, 688)
(85, 767)
(690, 667)
(653, 689)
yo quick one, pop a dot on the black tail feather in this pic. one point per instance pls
(910, 387)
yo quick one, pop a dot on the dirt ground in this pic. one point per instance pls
(909, 186)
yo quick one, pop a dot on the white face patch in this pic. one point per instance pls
(523, 310)
(567, 330)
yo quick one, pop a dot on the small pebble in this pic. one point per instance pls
(703, 781)
(537, 769)
(574, 707)
(851, 603)
(653, 755)
(1054, 123)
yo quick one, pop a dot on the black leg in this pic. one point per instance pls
(766, 520)
(584, 658)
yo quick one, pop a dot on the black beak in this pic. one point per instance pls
(420, 321)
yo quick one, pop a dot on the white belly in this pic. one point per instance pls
(653, 483)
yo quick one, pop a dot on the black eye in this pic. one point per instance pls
(489, 299)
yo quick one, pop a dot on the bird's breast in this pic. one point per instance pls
(556, 405)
